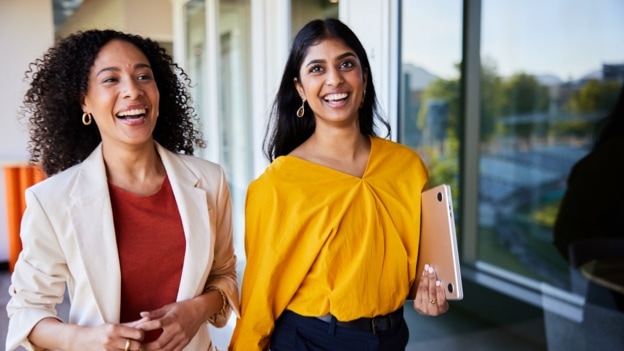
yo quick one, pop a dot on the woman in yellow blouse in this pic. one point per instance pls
(332, 226)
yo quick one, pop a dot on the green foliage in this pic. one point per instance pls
(443, 167)
(492, 99)
(594, 96)
(524, 95)
(578, 128)
(445, 90)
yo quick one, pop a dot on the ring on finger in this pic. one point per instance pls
(127, 348)
(432, 301)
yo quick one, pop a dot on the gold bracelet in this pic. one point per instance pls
(225, 302)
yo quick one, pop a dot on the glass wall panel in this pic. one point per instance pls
(429, 99)
(235, 105)
(550, 71)
(233, 93)
(429, 112)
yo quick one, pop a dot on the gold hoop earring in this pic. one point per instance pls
(301, 109)
(87, 118)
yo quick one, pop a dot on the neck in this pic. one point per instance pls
(340, 144)
(138, 170)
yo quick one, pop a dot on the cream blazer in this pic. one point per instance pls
(69, 242)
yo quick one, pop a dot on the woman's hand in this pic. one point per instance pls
(50, 333)
(179, 321)
(113, 337)
(430, 298)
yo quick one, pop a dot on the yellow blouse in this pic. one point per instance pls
(321, 241)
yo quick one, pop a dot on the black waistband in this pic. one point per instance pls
(374, 325)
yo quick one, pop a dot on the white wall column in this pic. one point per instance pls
(376, 24)
(26, 32)
(270, 43)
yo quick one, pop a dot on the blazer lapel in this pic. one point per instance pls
(91, 215)
(193, 207)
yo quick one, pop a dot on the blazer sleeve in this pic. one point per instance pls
(38, 280)
(223, 271)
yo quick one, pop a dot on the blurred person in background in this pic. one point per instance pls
(593, 204)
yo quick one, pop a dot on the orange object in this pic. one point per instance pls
(17, 179)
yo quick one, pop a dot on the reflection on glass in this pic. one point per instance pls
(431, 42)
(550, 71)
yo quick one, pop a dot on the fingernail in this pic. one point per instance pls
(430, 269)
(427, 267)
(438, 283)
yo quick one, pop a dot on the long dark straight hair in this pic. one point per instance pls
(286, 131)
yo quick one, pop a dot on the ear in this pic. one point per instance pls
(83, 104)
(299, 88)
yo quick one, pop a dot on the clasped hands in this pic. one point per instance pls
(179, 322)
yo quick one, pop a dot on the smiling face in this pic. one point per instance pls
(332, 82)
(122, 95)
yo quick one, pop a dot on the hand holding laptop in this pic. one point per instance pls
(438, 242)
(430, 297)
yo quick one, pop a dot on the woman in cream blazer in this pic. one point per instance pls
(70, 238)
(68, 229)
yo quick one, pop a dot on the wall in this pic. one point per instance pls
(19, 20)
(150, 18)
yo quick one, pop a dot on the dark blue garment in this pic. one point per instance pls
(294, 332)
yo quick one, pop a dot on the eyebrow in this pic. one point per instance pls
(116, 69)
(343, 56)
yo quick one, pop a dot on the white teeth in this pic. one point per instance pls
(331, 97)
(134, 112)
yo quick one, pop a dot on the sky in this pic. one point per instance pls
(566, 38)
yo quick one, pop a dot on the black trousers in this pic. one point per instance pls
(297, 333)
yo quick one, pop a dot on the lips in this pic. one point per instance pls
(132, 113)
(335, 97)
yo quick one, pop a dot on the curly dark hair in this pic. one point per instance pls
(52, 104)
(286, 131)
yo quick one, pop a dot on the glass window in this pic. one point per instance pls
(550, 71)
(431, 52)
(235, 105)
(233, 93)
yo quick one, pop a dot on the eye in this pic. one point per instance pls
(109, 80)
(315, 69)
(145, 76)
(347, 64)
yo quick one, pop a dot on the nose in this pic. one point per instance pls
(132, 89)
(334, 77)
